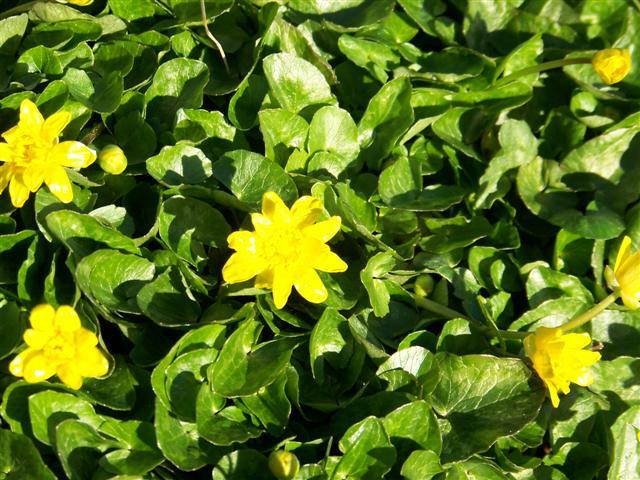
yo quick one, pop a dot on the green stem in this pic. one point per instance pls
(448, 313)
(589, 314)
(205, 24)
(17, 9)
(541, 68)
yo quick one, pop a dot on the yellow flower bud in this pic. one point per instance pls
(612, 64)
(423, 285)
(283, 465)
(79, 3)
(112, 160)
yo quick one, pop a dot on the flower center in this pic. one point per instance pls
(59, 348)
(29, 149)
(281, 246)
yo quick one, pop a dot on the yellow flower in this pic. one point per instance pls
(612, 64)
(112, 160)
(285, 250)
(283, 465)
(625, 275)
(57, 344)
(32, 155)
(559, 359)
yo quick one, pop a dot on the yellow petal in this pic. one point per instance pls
(85, 339)
(6, 172)
(306, 210)
(309, 285)
(37, 368)
(241, 267)
(67, 320)
(36, 338)
(553, 393)
(629, 300)
(16, 367)
(6, 152)
(33, 176)
(261, 223)
(11, 134)
(18, 191)
(585, 379)
(282, 284)
(69, 375)
(623, 252)
(72, 154)
(30, 117)
(54, 125)
(324, 231)
(242, 241)
(58, 182)
(328, 261)
(274, 208)
(92, 363)
(264, 279)
(42, 317)
(576, 340)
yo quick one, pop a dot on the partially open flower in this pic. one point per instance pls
(285, 250)
(57, 344)
(32, 156)
(612, 64)
(625, 274)
(283, 465)
(560, 359)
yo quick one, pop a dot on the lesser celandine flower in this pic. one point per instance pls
(80, 3)
(283, 465)
(285, 250)
(612, 64)
(32, 155)
(625, 276)
(57, 344)
(560, 359)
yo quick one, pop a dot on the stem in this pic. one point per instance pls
(589, 314)
(17, 9)
(541, 68)
(205, 24)
(448, 313)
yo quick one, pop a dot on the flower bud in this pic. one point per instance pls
(112, 159)
(612, 64)
(79, 3)
(283, 465)
(423, 285)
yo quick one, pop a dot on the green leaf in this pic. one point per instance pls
(421, 465)
(333, 130)
(113, 279)
(101, 94)
(249, 175)
(189, 10)
(180, 164)
(625, 461)
(387, 117)
(178, 83)
(377, 266)
(19, 458)
(482, 398)
(244, 367)
(188, 225)
(295, 83)
(84, 234)
(242, 464)
(283, 131)
(131, 12)
(413, 426)
(330, 343)
(11, 31)
(367, 451)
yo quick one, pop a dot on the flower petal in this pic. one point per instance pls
(553, 393)
(92, 363)
(67, 320)
(69, 375)
(85, 339)
(324, 231)
(42, 317)
(241, 267)
(630, 301)
(6, 152)
(36, 338)
(16, 367)
(72, 154)
(264, 279)
(54, 125)
(328, 261)
(33, 176)
(30, 117)
(58, 182)
(310, 286)
(18, 191)
(261, 223)
(37, 368)
(306, 210)
(242, 241)
(6, 173)
(623, 252)
(274, 208)
(282, 284)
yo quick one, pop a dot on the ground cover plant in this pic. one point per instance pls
(310, 239)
